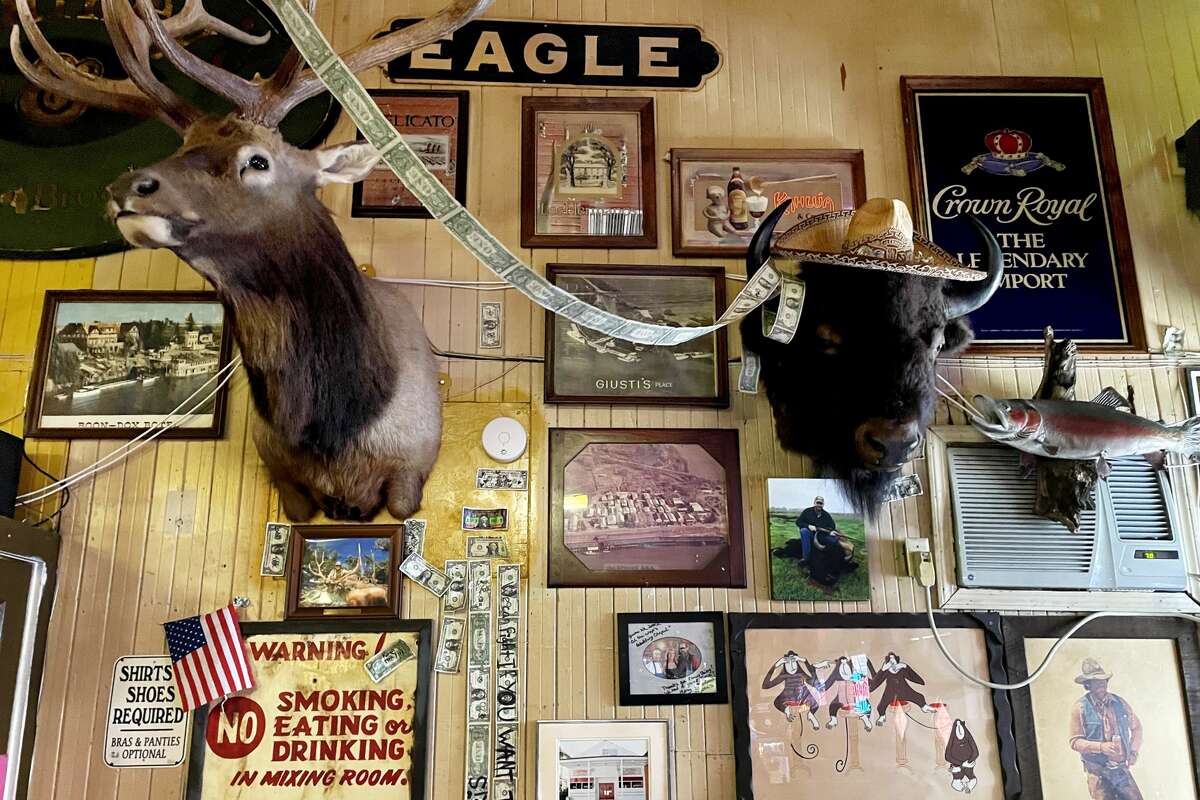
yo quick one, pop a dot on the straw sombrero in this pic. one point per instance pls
(877, 235)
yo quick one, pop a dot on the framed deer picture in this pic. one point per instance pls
(344, 570)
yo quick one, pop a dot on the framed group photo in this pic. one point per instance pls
(1116, 713)
(1033, 158)
(719, 196)
(435, 125)
(672, 658)
(344, 570)
(839, 705)
(114, 364)
(587, 172)
(645, 507)
(583, 366)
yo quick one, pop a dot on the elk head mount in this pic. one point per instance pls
(340, 370)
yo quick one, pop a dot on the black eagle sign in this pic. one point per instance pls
(526, 52)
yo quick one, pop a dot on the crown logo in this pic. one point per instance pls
(1010, 153)
(1007, 143)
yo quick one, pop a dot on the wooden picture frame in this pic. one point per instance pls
(754, 741)
(843, 190)
(113, 351)
(367, 193)
(1191, 378)
(983, 159)
(372, 634)
(1019, 629)
(654, 627)
(559, 328)
(304, 535)
(715, 532)
(657, 774)
(539, 153)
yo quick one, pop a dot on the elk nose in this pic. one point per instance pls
(145, 185)
(887, 443)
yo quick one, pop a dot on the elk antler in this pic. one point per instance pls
(265, 101)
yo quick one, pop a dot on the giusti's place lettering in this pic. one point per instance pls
(562, 54)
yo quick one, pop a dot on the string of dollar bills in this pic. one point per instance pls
(471, 233)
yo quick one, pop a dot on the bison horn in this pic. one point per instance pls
(760, 245)
(961, 297)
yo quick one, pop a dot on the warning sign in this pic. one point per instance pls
(146, 725)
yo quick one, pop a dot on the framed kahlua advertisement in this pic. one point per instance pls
(719, 196)
(583, 366)
(1033, 159)
(339, 709)
(434, 124)
(1116, 713)
(587, 172)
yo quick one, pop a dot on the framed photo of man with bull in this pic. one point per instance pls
(1033, 159)
(1115, 715)
(839, 705)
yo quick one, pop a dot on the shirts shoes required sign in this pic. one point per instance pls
(146, 726)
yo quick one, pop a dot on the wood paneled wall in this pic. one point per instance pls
(124, 571)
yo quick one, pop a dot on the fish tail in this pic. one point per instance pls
(1190, 432)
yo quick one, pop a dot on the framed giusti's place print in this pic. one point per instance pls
(839, 705)
(624, 758)
(1117, 712)
(113, 364)
(1033, 159)
(719, 196)
(587, 172)
(434, 124)
(583, 366)
(338, 709)
(671, 658)
(645, 507)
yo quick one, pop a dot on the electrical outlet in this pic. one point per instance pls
(919, 560)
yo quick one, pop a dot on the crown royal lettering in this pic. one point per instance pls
(1030, 203)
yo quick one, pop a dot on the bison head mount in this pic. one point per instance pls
(855, 388)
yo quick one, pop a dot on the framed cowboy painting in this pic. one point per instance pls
(1033, 159)
(1115, 714)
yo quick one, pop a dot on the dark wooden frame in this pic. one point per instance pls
(1018, 629)
(717, 274)
(421, 702)
(1191, 388)
(359, 210)
(1111, 177)
(644, 108)
(748, 156)
(720, 660)
(314, 533)
(54, 297)
(988, 624)
(565, 570)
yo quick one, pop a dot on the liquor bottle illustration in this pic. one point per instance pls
(735, 192)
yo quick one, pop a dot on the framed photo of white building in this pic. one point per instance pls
(604, 760)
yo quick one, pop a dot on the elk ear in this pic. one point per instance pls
(349, 162)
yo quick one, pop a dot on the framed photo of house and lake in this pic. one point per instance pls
(719, 196)
(587, 172)
(1033, 159)
(344, 570)
(1117, 712)
(111, 365)
(435, 125)
(672, 659)
(583, 366)
(839, 705)
(645, 507)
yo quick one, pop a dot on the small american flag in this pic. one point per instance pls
(208, 657)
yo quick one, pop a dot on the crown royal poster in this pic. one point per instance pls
(1033, 159)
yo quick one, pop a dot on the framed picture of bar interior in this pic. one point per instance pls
(645, 507)
(1115, 714)
(339, 709)
(839, 705)
(1033, 159)
(344, 570)
(719, 196)
(113, 364)
(434, 124)
(587, 172)
(586, 366)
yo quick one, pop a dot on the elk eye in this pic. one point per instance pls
(259, 163)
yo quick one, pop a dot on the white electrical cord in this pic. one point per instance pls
(141, 440)
(1033, 676)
